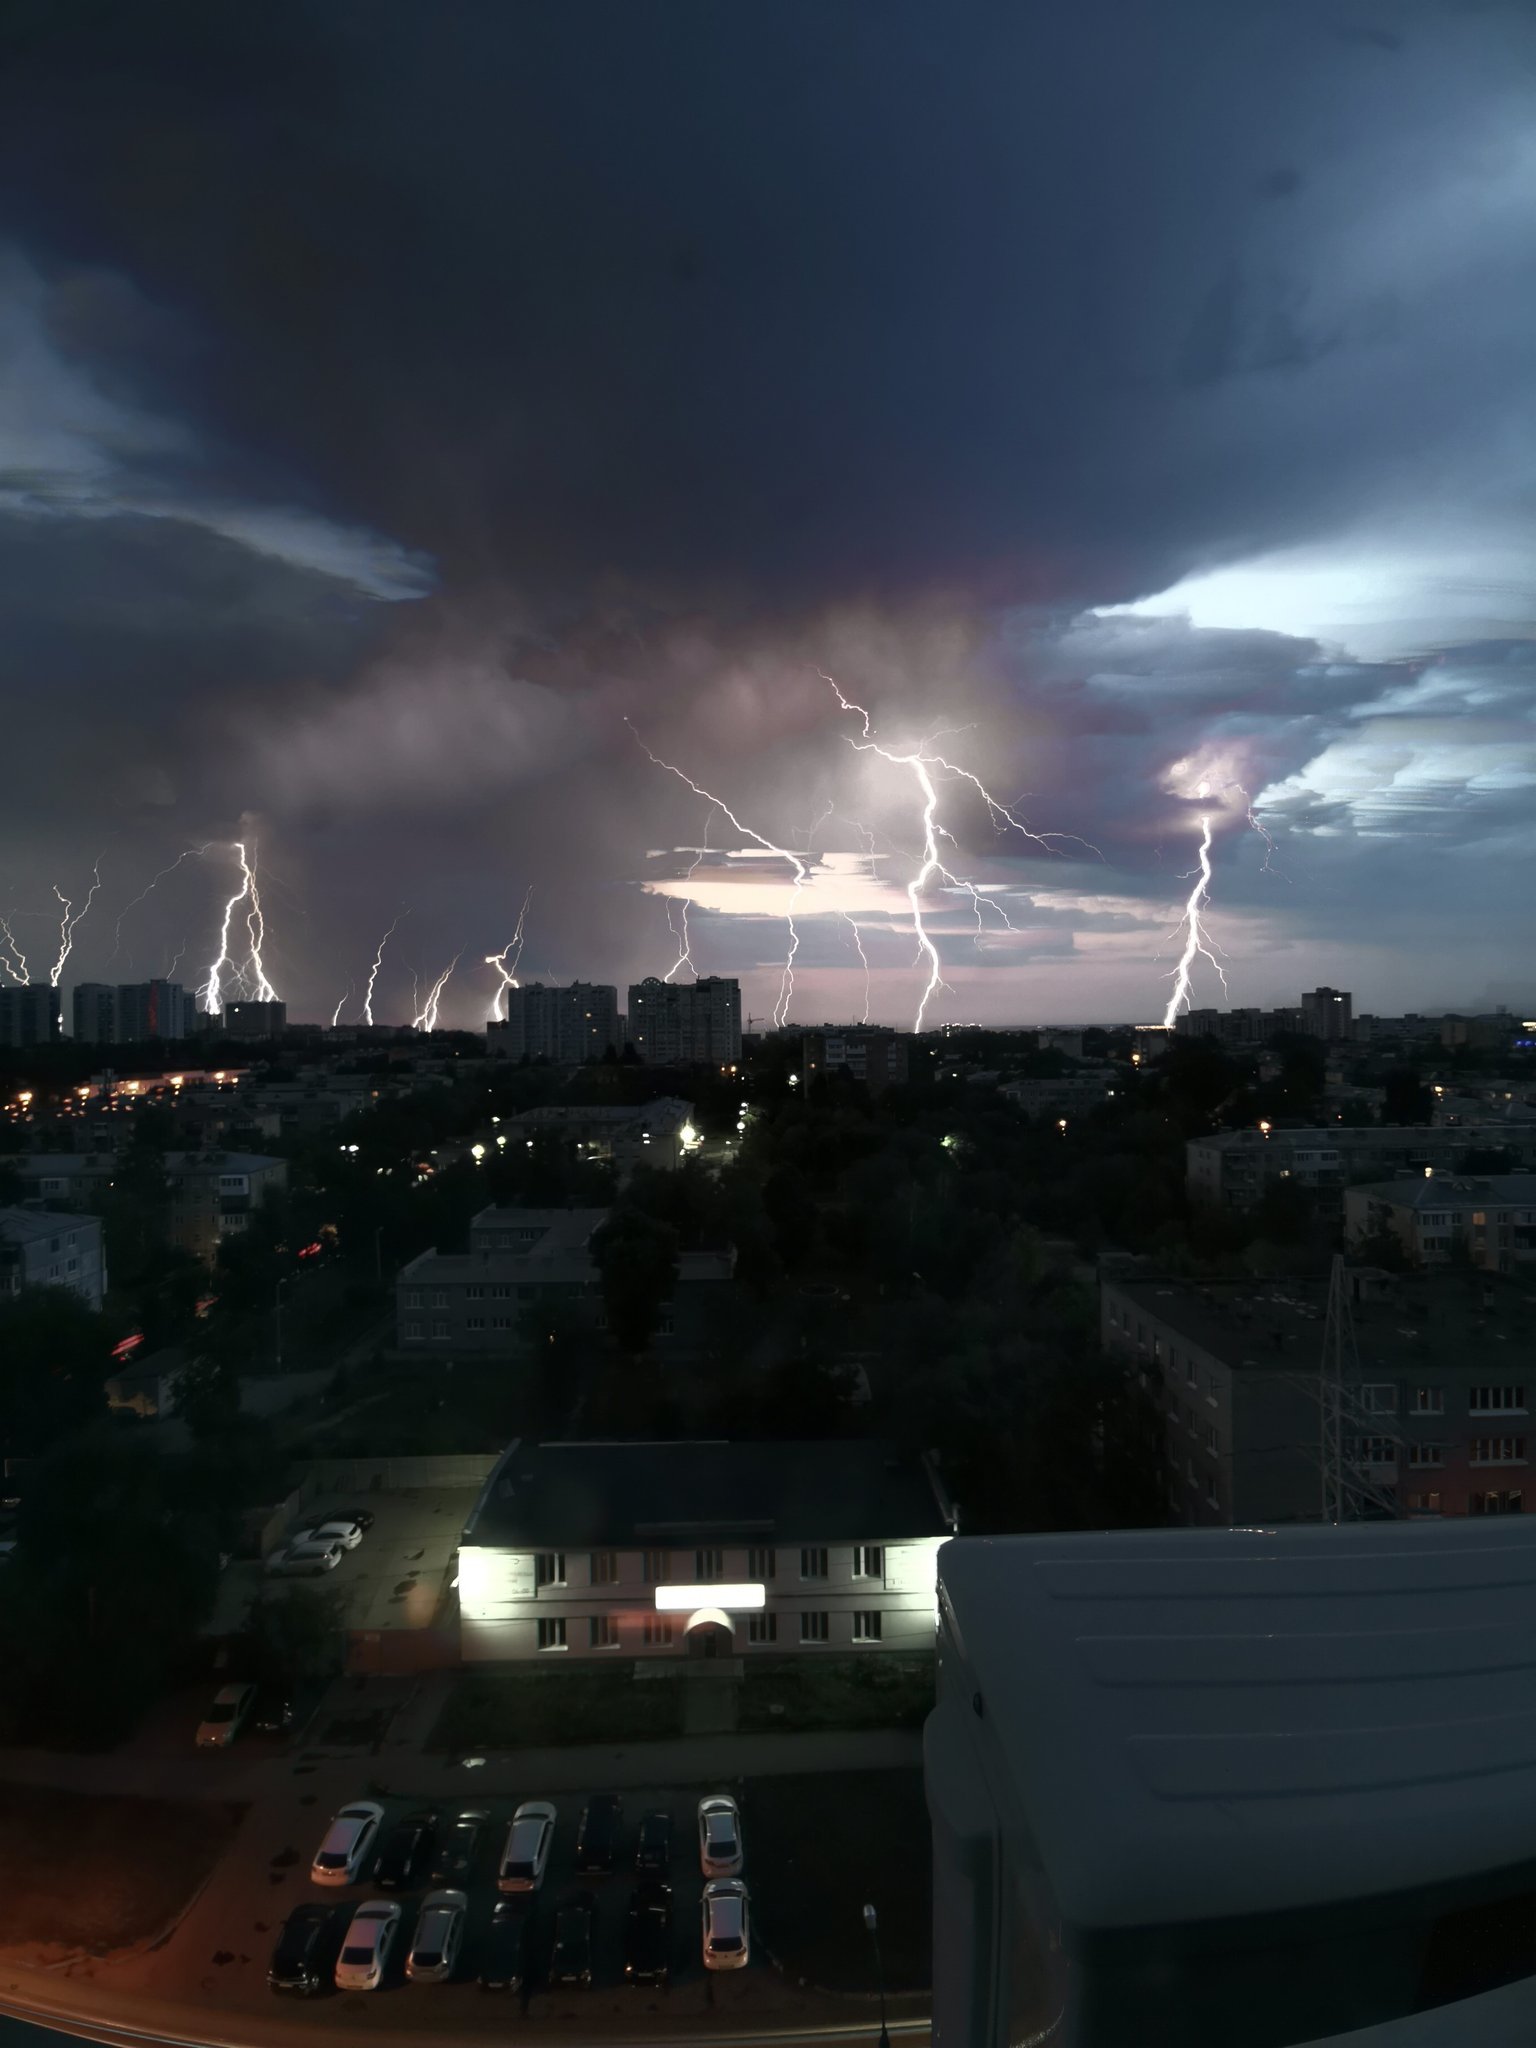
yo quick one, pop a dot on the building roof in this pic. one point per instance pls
(1452, 1191)
(1405, 1324)
(561, 1231)
(92, 1165)
(27, 1226)
(1203, 1723)
(634, 1495)
(1355, 1137)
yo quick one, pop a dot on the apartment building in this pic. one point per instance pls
(623, 1135)
(1233, 1168)
(696, 1549)
(131, 1012)
(1062, 1094)
(1328, 1013)
(449, 1303)
(686, 1023)
(212, 1194)
(1488, 1218)
(563, 1025)
(1436, 1411)
(872, 1053)
(48, 1248)
(29, 1015)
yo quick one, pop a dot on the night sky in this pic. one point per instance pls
(403, 407)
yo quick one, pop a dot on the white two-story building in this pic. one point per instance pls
(701, 1549)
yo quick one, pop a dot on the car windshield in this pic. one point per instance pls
(331, 1859)
(222, 1710)
(357, 1952)
(428, 1958)
(726, 1944)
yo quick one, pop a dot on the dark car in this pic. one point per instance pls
(273, 1712)
(570, 1963)
(653, 1851)
(455, 1858)
(648, 1935)
(304, 1959)
(598, 1835)
(503, 1960)
(407, 1852)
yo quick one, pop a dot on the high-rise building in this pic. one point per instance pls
(875, 1054)
(93, 1013)
(680, 1023)
(154, 1009)
(1328, 1013)
(29, 1015)
(565, 1025)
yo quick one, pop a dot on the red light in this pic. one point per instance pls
(126, 1346)
(311, 1251)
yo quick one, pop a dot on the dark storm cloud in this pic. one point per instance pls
(409, 395)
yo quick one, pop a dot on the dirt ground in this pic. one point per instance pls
(84, 1872)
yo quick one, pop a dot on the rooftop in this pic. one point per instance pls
(1413, 1323)
(1453, 1191)
(27, 1226)
(1204, 1723)
(630, 1495)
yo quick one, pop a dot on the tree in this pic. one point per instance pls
(55, 1355)
(1406, 1099)
(637, 1260)
(207, 1397)
(296, 1635)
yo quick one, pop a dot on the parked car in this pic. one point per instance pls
(720, 1852)
(339, 1529)
(526, 1852)
(304, 1958)
(503, 1958)
(304, 1560)
(369, 1945)
(653, 1850)
(226, 1717)
(439, 1936)
(597, 1836)
(648, 1935)
(407, 1852)
(570, 1961)
(455, 1858)
(349, 1840)
(726, 1937)
(272, 1711)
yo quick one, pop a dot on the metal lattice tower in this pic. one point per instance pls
(1346, 1492)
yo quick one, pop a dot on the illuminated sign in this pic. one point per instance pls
(683, 1599)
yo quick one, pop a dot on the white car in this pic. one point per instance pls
(349, 1841)
(527, 1848)
(369, 1945)
(727, 1942)
(299, 1560)
(340, 1530)
(439, 1935)
(224, 1719)
(719, 1837)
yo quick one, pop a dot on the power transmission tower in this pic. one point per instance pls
(1347, 1493)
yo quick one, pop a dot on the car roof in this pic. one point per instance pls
(227, 1693)
(377, 1909)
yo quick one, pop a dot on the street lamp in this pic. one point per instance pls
(872, 1928)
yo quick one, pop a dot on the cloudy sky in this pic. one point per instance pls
(418, 423)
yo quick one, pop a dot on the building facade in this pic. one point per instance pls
(1233, 1168)
(682, 1023)
(93, 1013)
(1062, 1094)
(211, 1195)
(522, 1260)
(872, 1053)
(1328, 1013)
(29, 1015)
(131, 1012)
(47, 1248)
(1436, 1405)
(253, 1020)
(658, 1134)
(1489, 1219)
(669, 1550)
(563, 1025)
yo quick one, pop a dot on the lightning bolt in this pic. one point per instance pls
(508, 973)
(787, 979)
(1195, 944)
(336, 1013)
(192, 853)
(1255, 823)
(426, 1017)
(373, 972)
(68, 922)
(680, 931)
(930, 865)
(180, 954)
(858, 936)
(15, 967)
(249, 979)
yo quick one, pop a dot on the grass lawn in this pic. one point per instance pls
(812, 1692)
(97, 1872)
(817, 1849)
(546, 1709)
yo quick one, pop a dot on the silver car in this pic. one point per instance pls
(720, 1852)
(527, 1847)
(434, 1953)
(303, 1560)
(727, 1938)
